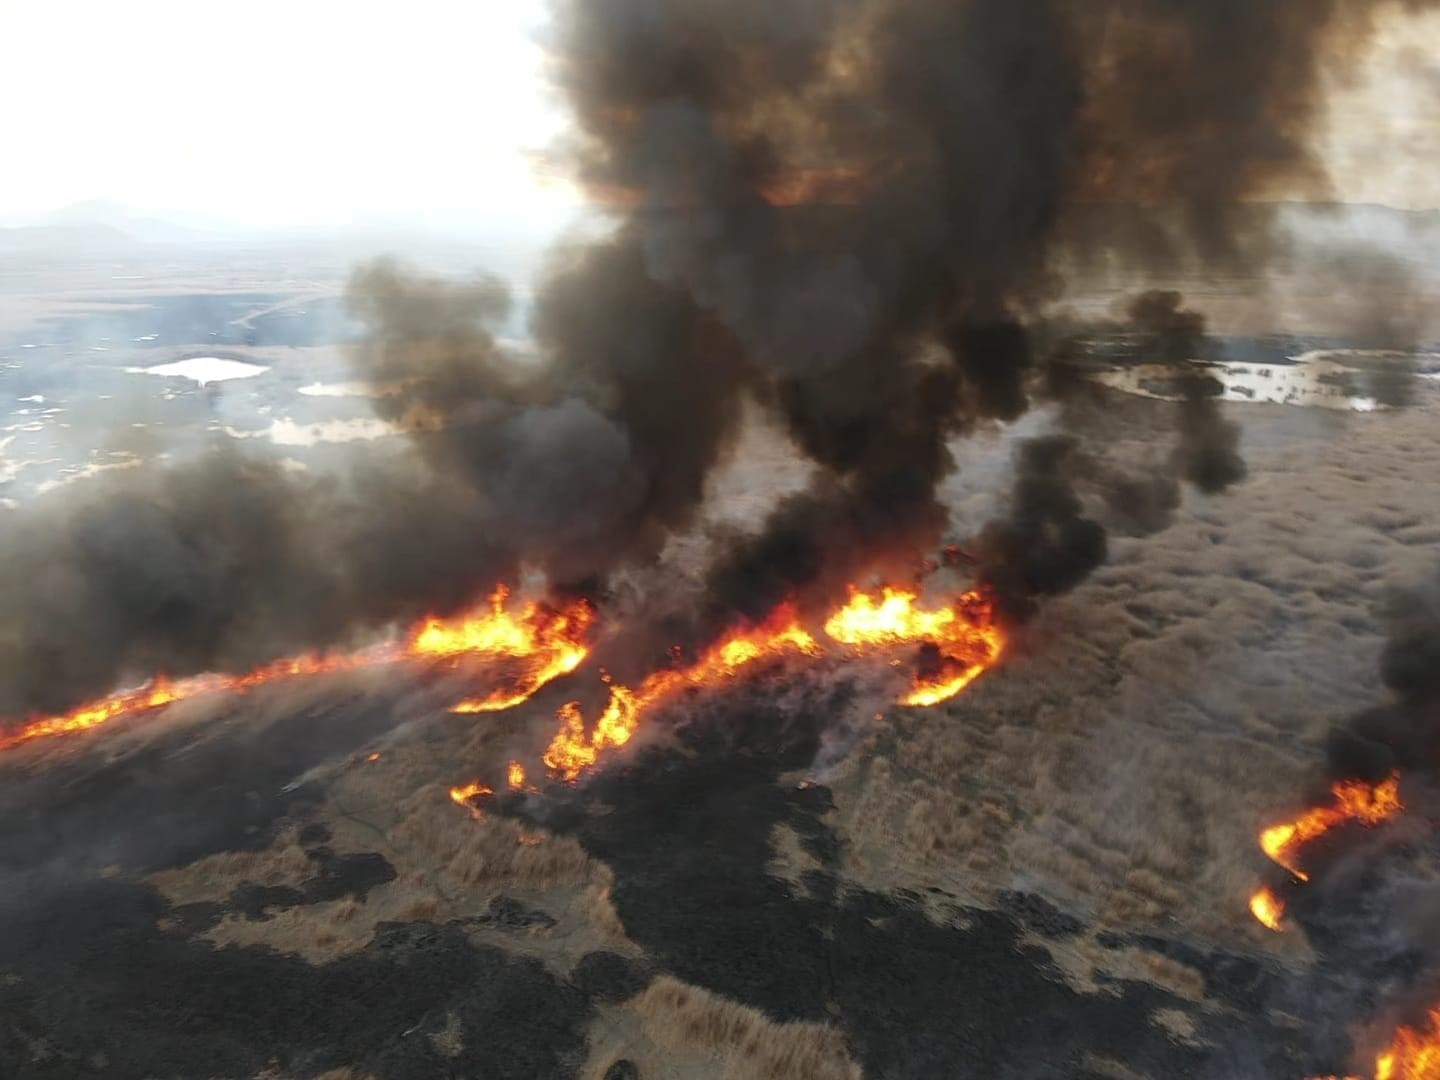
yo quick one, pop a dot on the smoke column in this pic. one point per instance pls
(849, 212)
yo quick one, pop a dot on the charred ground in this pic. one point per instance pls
(104, 976)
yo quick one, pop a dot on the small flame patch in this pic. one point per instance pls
(1355, 800)
(1267, 908)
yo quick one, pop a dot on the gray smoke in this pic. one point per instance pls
(848, 212)
(1404, 732)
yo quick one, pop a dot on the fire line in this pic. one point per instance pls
(958, 642)
(1354, 800)
(963, 638)
(547, 642)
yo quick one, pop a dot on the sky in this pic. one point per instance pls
(280, 113)
(274, 112)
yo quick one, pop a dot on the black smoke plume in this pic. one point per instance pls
(1404, 732)
(1207, 454)
(849, 212)
(1046, 545)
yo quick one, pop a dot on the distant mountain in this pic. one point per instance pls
(52, 239)
(105, 213)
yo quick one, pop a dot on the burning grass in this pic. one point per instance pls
(1354, 802)
(1412, 1054)
(544, 642)
(1267, 908)
(1066, 774)
(958, 642)
(574, 749)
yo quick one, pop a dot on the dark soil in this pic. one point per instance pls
(101, 977)
(687, 832)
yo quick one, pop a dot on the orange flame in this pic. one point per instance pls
(1355, 800)
(1268, 908)
(462, 796)
(555, 642)
(473, 790)
(515, 775)
(572, 751)
(1411, 1055)
(551, 642)
(162, 691)
(963, 636)
(964, 633)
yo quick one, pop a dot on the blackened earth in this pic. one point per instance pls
(100, 976)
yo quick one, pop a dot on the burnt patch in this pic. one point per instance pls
(1240, 981)
(314, 832)
(337, 876)
(104, 978)
(255, 902)
(608, 976)
(686, 830)
(1040, 915)
(222, 784)
(506, 913)
(97, 988)
(346, 875)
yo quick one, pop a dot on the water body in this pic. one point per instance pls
(204, 369)
(288, 432)
(1353, 380)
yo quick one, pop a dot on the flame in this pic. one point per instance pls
(960, 640)
(963, 633)
(1412, 1054)
(162, 691)
(515, 775)
(555, 642)
(573, 750)
(962, 636)
(1355, 800)
(157, 694)
(1268, 908)
(552, 642)
(473, 790)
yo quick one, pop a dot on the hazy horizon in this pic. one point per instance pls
(325, 117)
